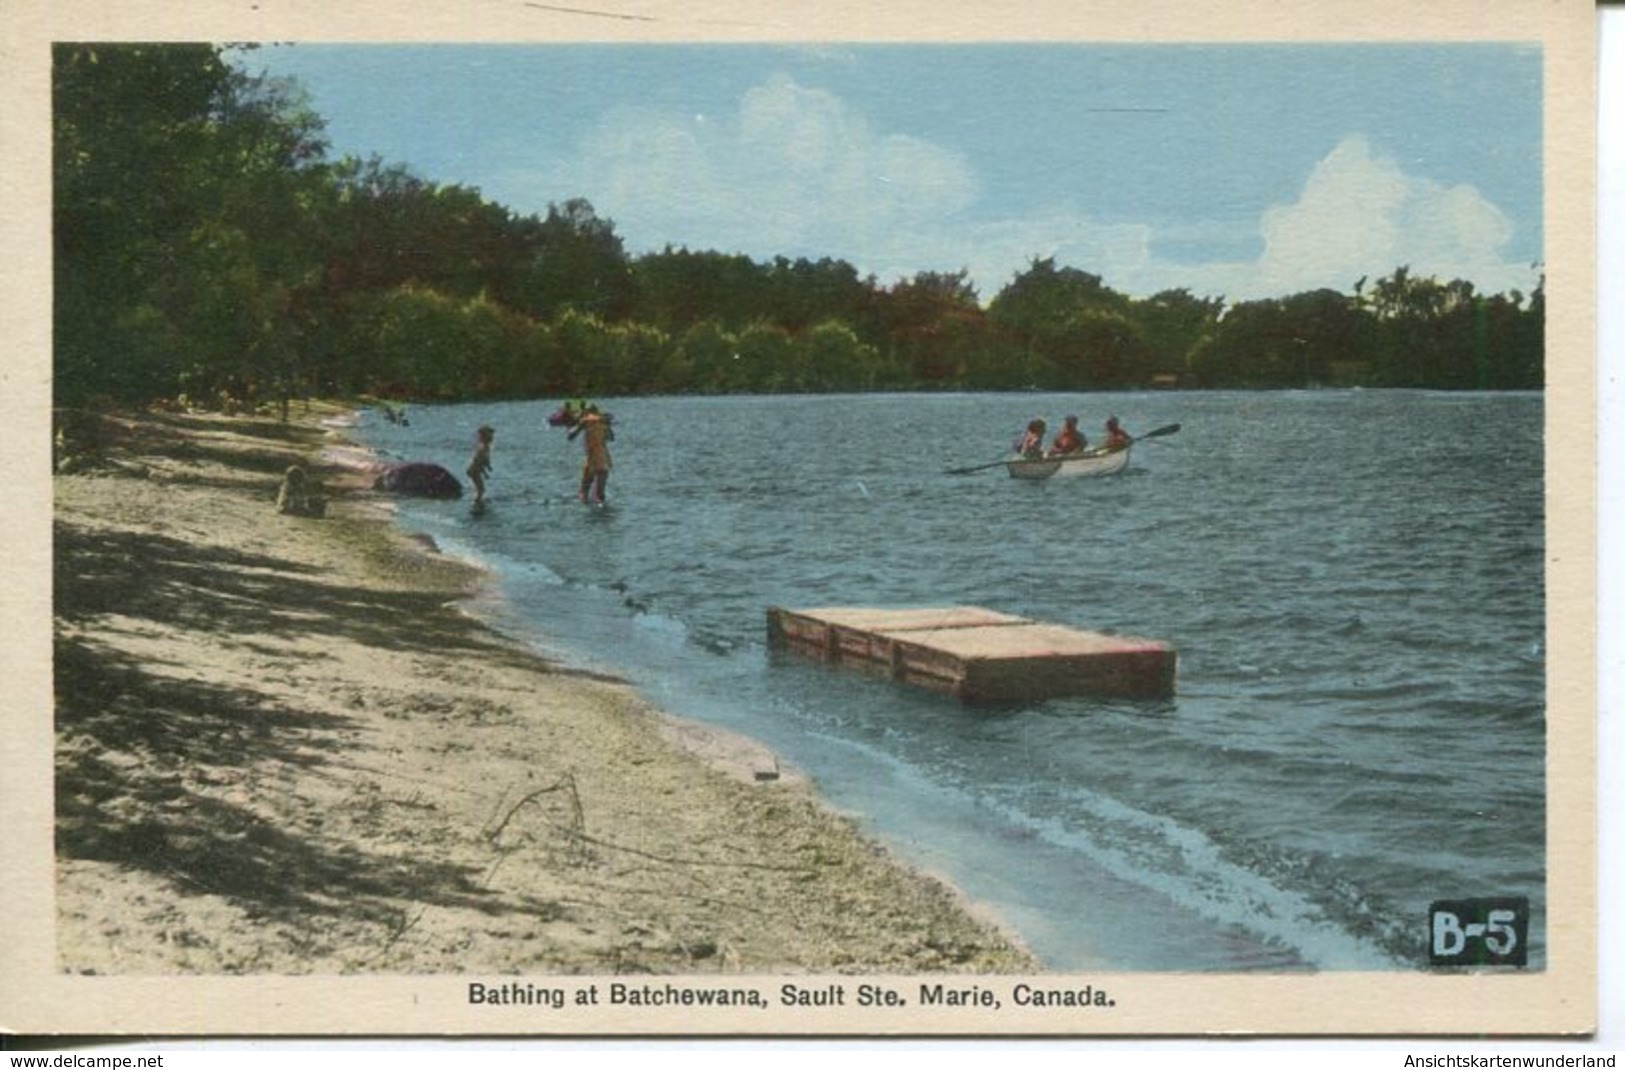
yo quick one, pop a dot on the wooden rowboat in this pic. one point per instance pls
(1100, 461)
(1087, 463)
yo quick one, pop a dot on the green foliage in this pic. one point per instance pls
(832, 357)
(182, 234)
(578, 264)
(934, 326)
(678, 289)
(204, 243)
(798, 295)
(1174, 324)
(1042, 300)
(766, 359)
(705, 358)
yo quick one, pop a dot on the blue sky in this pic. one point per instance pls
(1241, 171)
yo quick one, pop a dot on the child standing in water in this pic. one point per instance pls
(479, 466)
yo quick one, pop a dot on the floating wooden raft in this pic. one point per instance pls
(977, 655)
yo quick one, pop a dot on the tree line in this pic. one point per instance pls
(207, 244)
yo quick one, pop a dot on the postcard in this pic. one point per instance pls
(1067, 520)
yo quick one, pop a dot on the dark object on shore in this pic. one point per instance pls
(419, 479)
(299, 495)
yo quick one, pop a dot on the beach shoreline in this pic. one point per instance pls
(284, 745)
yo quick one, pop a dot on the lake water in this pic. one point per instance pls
(1353, 581)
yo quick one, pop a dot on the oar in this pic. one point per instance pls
(1157, 433)
(976, 468)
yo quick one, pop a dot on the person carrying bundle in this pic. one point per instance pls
(598, 434)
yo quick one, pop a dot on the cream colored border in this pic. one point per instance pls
(1560, 1000)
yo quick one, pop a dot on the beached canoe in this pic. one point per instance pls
(1087, 463)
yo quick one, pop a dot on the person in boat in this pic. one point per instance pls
(1116, 437)
(1031, 442)
(479, 466)
(595, 469)
(1068, 439)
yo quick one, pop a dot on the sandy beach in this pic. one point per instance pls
(284, 746)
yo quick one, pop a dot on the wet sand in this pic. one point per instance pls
(283, 747)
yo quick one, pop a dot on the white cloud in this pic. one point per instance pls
(795, 171)
(1361, 215)
(1346, 219)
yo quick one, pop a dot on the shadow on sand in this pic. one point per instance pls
(158, 770)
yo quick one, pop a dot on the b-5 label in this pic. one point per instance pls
(1479, 932)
